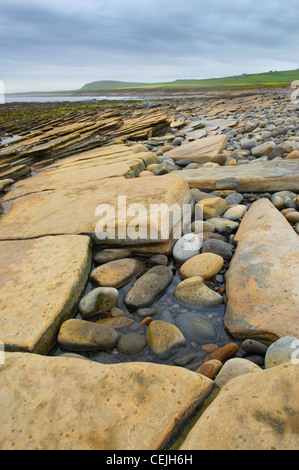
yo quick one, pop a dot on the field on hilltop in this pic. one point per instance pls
(241, 82)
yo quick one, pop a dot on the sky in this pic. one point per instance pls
(63, 44)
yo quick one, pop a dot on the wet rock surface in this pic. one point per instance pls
(170, 314)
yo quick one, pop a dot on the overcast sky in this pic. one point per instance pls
(63, 44)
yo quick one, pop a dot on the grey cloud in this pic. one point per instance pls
(143, 41)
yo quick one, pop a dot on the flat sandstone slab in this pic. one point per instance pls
(262, 281)
(40, 283)
(132, 406)
(253, 412)
(63, 199)
(201, 150)
(275, 175)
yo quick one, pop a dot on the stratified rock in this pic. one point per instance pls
(69, 404)
(262, 279)
(149, 287)
(200, 150)
(271, 176)
(80, 335)
(5, 184)
(47, 203)
(99, 300)
(40, 284)
(164, 338)
(262, 401)
(117, 273)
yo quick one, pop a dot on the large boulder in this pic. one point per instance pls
(261, 282)
(59, 403)
(253, 412)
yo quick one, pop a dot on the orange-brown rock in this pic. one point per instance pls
(256, 411)
(63, 403)
(293, 155)
(261, 283)
(210, 369)
(224, 354)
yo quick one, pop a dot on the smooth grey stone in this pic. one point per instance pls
(131, 344)
(256, 359)
(198, 362)
(167, 317)
(149, 287)
(157, 260)
(160, 169)
(276, 153)
(186, 247)
(196, 327)
(285, 195)
(183, 361)
(191, 166)
(289, 204)
(99, 300)
(281, 351)
(183, 162)
(233, 199)
(218, 247)
(177, 142)
(254, 347)
(147, 312)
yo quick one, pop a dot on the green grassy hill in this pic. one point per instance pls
(242, 82)
(103, 84)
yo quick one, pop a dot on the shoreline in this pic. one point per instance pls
(153, 327)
